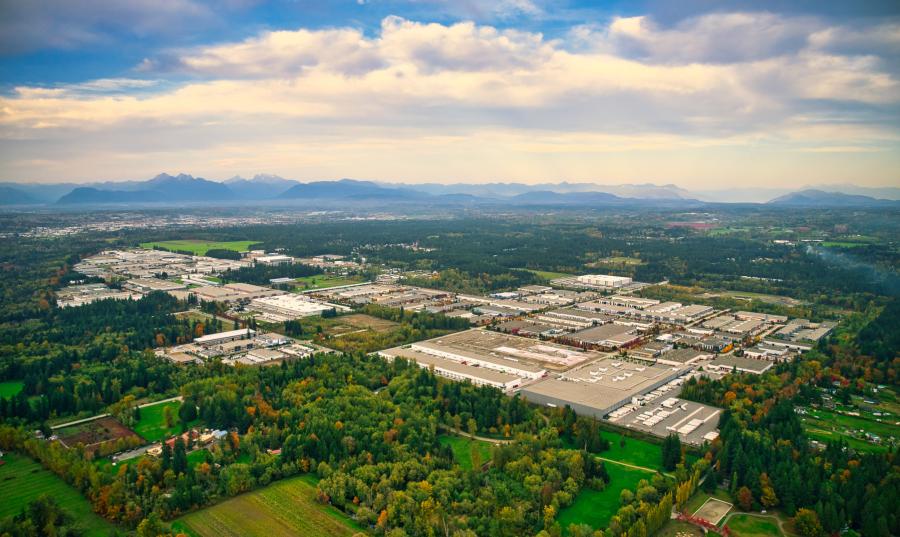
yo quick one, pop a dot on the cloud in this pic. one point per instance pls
(510, 97)
(61, 24)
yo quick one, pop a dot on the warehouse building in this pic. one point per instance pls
(291, 306)
(600, 387)
(727, 364)
(454, 370)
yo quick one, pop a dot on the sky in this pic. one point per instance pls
(702, 94)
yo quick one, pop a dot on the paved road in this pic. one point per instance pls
(98, 416)
(757, 515)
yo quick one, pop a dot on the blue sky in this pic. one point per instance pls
(698, 93)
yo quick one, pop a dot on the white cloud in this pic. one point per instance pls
(337, 99)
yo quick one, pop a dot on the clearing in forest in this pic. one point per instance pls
(286, 508)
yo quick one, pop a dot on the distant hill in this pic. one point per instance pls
(91, 195)
(820, 198)
(547, 197)
(14, 196)
(349, 189)
(162, 188)
(260, 187)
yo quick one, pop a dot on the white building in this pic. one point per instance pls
(274, 259)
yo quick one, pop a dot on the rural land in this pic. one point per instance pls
(470, 376)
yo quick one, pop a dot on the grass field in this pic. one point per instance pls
(618, 260)
(596, 507)
(286, 508)
(462, 449)
(753, 526)
(152, 425)
(10, 388)
(636, 452)
(200, 247)
(323, 281)
(22, 480)
(549, 275)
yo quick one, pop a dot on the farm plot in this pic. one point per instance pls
(105, 432)
(284, 509)
(23, 480)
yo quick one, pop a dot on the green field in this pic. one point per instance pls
(618, 260)
(843, 244)
(753, 526)
(10, 388)
(22, 480)
(549, 275)
(152, 425)
(825, 425)
(596, 507)
(286, 508)
(636, 452)
(462, 449)
(323, 281)
(200, 247)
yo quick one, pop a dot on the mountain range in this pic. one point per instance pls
(274, 190)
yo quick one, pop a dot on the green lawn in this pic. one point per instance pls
(700, 498)
(22, 480)
(323, 281)
(637, 452)
(201, 247)
(286, 508)
(843, 244)
(462, 449)
(753, 526)
(152, 425)
(10, 388)
(596, 507)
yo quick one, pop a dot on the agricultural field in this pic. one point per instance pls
(200, 247)
(596, 507)
(95, 433)
(745, 525)
(152, 425)
(462, 449)
(635, 451)
(22, 480)
(10, 388)
(825, 425)
(323, 281)
(284, 509)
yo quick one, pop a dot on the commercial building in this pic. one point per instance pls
(726, 364)
(455, 370)
(608, 337)
(223, 337)
(593, 281)
(683, 357)
(273, 259)
(290, 306)
(146, 285)
(234, 292)
(600, 386)
(79, 295)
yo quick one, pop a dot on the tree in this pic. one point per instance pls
(671, 452)
(807, 524)
(473, 427)
(745, 498)
(767, 495)
(168, 416)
